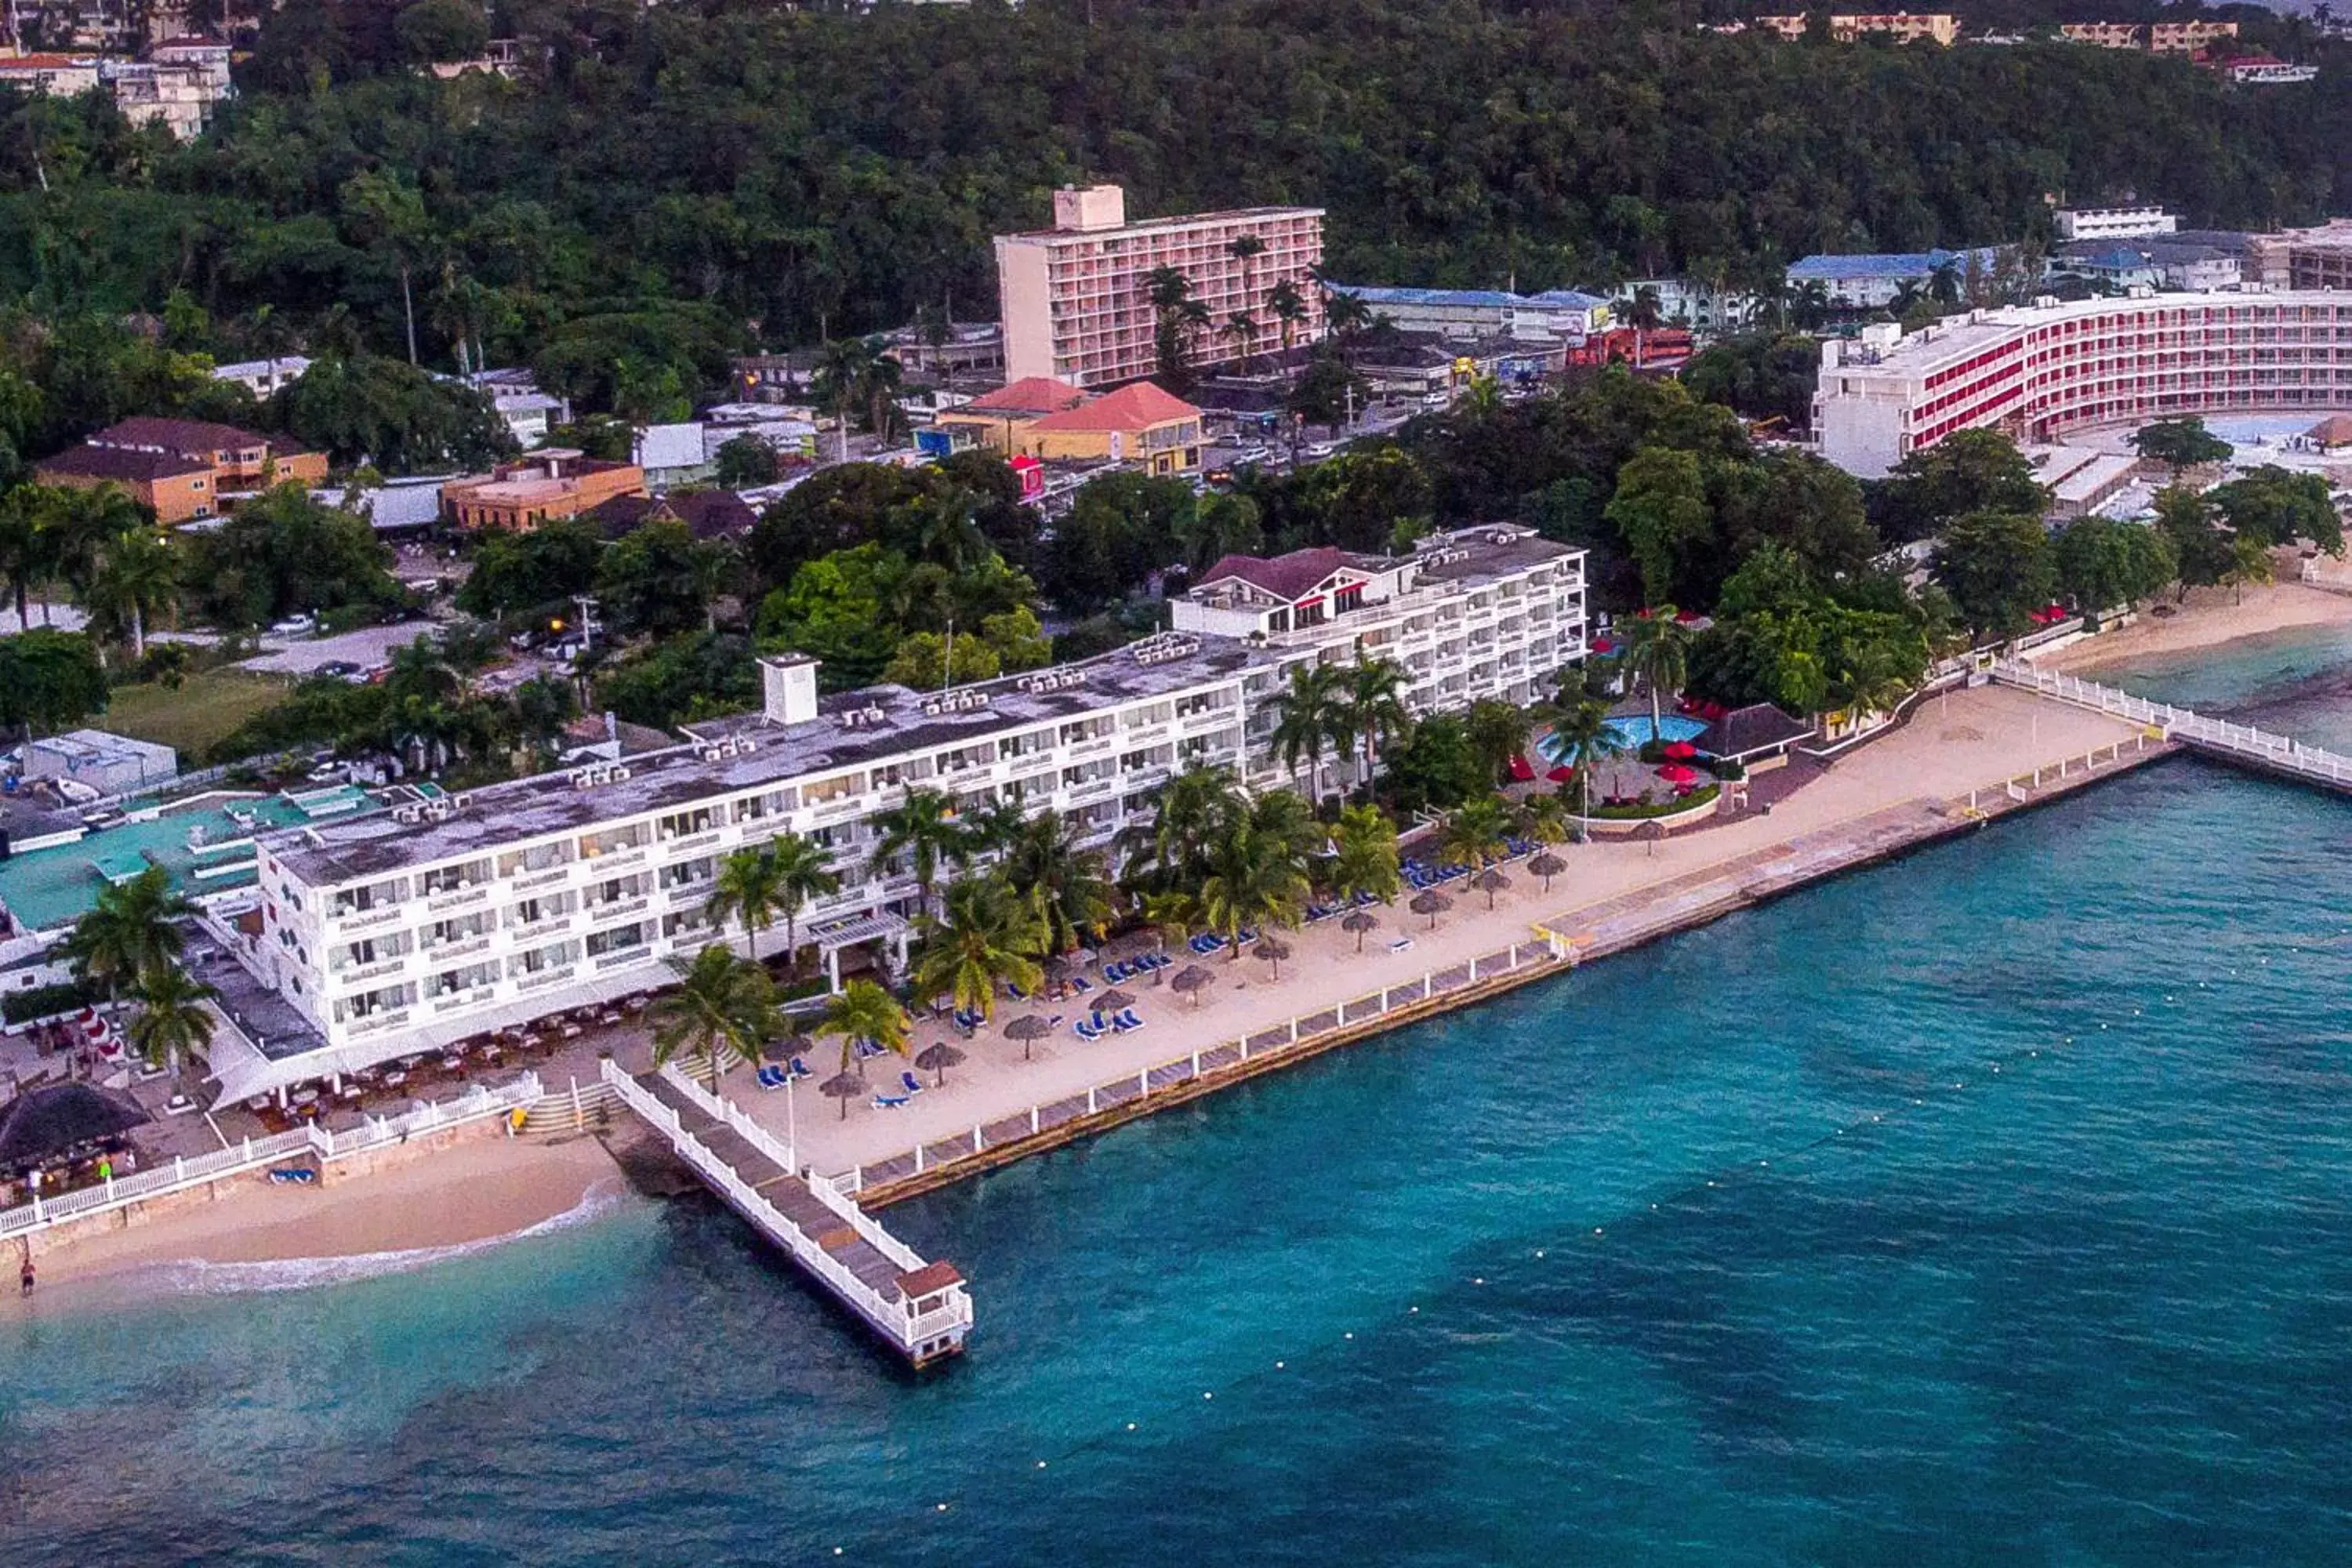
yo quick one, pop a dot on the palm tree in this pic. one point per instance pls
(1246, 249)
(83, 525)
(1346, 314)
(840, 383)
(1064, 885)
(878, 388)
(723, 1007)
(1289, 308)
(1944, 283)
(1372, 701)
(1197, 810)
(749, 885)
(990, 935)
(1478, 831)
(172, 1019)
(1307, 715)
(25, 554)
(924, 827)
(1582, 736)
(130, 931)
(1642, 313)
(1284, 818)
(1257, 880)
(862, 1011)
(1496, 730)
(1241, 327)
(1368, 864)
(1907, 293)
(803, 872)
(1657, 652)
(1173, 916)
(138, 577)
(1170, 294)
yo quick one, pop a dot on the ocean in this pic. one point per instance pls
(1989, 1205)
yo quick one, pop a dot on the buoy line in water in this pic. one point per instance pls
(1516, 1270)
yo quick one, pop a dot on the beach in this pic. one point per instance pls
(1918, 781)
(2209, 617)
(472, 1192)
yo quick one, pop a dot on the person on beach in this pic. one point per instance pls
(25, 1275)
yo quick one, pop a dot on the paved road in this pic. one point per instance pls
(367, 647)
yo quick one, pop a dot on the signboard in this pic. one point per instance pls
(934, 443)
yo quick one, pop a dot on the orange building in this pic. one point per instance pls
(1136, 424)
(184, 469)
(991, 418)
(557, 482)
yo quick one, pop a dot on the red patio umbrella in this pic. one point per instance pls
(1562, 774)
(1522, 771)
(1675, 773)
(1680, 750)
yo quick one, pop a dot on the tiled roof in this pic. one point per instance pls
(1133, 407)
(1030, 395)
(123, 463)
(707, 514)
(176, 435)
(1284, 577)
(2335, 430)
(1890, 264)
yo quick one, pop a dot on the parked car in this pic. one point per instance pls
(295, 625)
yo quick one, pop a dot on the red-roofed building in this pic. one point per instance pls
(184, 469)
(1136, 424)
(1038, 417)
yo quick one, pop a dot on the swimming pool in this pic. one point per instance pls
(1632, 732)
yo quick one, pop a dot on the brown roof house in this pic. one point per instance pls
(184, 469)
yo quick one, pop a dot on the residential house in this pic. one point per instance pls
(186, 470)
(1138, 423)
(551, 483)
(707, 514)
(262, 377)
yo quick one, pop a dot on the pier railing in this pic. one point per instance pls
(1176, 1072)
(188, 1173)
(2218, 736)
(896, 1319)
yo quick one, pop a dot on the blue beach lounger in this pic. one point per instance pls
(773, 1076)
(888, 1101)
(800, 1069)
(293, 1175)
(910, 1083)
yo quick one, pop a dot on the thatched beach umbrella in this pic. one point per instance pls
(844, 1087)
(1029, 1028)
(1195, 979)
(1432, 903)
(1360, 921)
(1273, 950)
(935, 1059)
(788, 1047)
(1650, 832)
(1546, 866)
(1113, 1000)
(1490, 882)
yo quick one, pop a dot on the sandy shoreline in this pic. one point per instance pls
(494, 1187)
(2210, 617)
(475, 1190)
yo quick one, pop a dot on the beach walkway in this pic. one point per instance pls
(921, 1310)
(2280, 755)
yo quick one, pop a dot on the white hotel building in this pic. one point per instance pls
(2039, 371)
(380, 937)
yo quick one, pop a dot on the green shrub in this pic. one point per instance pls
(46, 1000)
(1636, 813)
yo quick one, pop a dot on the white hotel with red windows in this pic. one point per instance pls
(2040, 371)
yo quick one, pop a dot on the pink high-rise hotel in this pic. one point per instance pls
(1073, 295)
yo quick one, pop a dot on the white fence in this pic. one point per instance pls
(185, 1174)
(1141, 1084)
(895, 1320)
(2280, 751)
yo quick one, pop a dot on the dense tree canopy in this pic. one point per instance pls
(662, 177)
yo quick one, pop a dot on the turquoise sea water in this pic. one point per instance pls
(1993, 1205)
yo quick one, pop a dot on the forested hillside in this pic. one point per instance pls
(661, 178)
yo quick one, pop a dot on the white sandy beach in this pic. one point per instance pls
(1954, 744)
(474, 1191)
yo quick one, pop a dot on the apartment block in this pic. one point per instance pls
(552, 483)
(1073, 297)
(375, 937)
(2114, 223)
(2039, 371)
(2317, 258)
(1903, 26)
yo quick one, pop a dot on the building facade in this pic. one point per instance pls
(374, 938)
(1554, 315)
(1073, 298)
(2114, 223)
(1871, 280)
(186, 470)
(1903, 26)
(2041, 371)
(552, 483)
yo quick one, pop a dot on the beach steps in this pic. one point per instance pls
(2260, 750)
(579, 1108)
(920, 1309)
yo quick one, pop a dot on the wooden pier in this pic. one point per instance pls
(921, 1310)
(2280, 755)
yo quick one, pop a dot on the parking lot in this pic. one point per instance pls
(366, 647)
